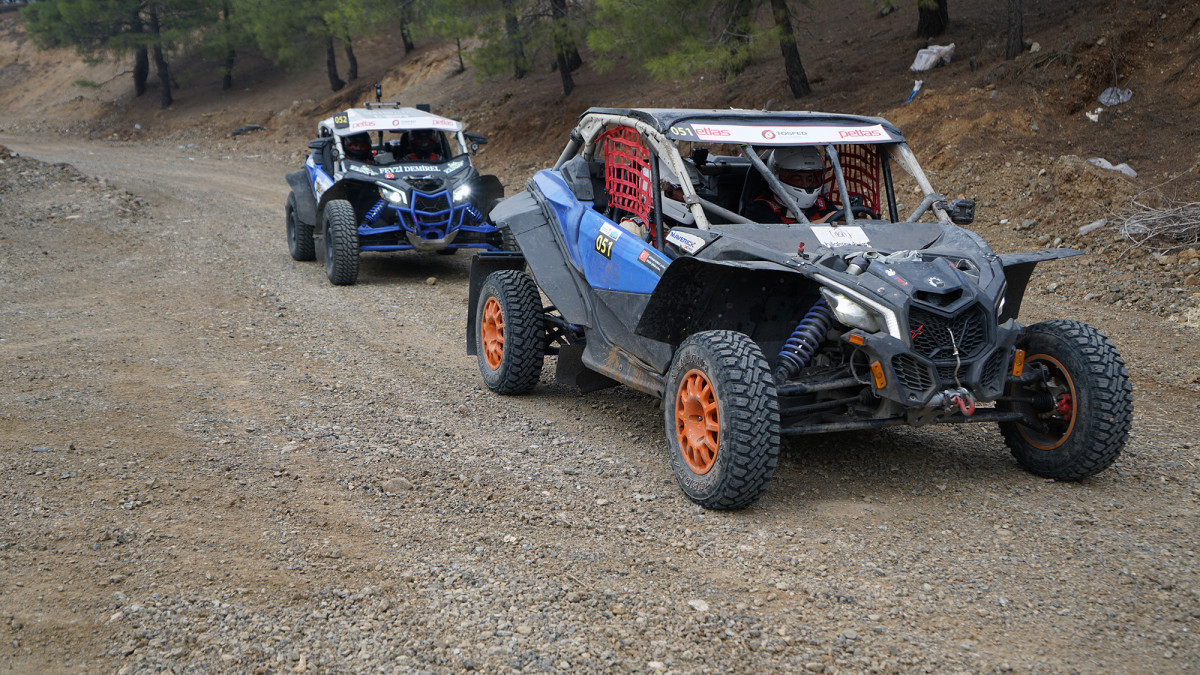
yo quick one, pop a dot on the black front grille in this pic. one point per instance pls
(935, 336)
(993, 370)
(435, 204)
(912, 373)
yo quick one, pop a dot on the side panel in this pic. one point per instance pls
(611, 258)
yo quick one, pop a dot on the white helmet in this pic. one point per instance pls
(802, 172)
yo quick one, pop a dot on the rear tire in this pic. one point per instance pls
(341, 243)
(510, 337)
(722, 420)
(1092, 402)
(299, 235)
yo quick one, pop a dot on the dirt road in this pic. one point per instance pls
(215, 461)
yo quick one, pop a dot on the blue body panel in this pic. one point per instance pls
(611, 258)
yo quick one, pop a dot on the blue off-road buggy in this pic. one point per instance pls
(752, 330)
(387, 178)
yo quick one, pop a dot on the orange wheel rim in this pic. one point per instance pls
(493, 333)
(1064, 422)
(697, 422)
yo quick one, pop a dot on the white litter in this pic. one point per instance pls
(1115, 96)
(933, 55)
(1093, 226)
(1122, 167)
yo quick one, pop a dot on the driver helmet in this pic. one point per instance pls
(802, 172)
(358, 147)
(424, 143)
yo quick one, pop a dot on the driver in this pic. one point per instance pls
(358, 147)
(802, 172)
(425, 146)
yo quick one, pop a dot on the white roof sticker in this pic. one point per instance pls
(357, 120)
(780, 134)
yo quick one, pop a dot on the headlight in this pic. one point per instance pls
(850, 312)
(462, 193)
(883, 315)
(393, 195)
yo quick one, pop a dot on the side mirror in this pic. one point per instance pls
(962, 211)
(476, 141)
(319, 143)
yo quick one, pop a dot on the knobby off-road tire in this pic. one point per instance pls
(1093, 402)
(341, 243)
(510, 336)
(508, 242)
(299, 235)
(722, 420)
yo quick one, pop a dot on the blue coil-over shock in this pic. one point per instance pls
(373, 214)
(804, 342)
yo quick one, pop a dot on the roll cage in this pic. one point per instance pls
(860, 152)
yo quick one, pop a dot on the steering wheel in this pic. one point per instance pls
(841, 213)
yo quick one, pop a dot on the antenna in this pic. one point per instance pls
(378, 92)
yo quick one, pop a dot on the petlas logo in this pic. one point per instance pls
(712, 131)
(861, 133)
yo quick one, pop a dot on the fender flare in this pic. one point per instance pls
(1018, 267)
(306, 203)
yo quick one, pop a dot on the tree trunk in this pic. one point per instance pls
(230, 53)
(351, 62)
(563, 44)
(406, 37)
(738, 38)
(797, 79)
(512, 29)
(933, 16)
(335, 82)
(141, 58)
(141, 70)
(1016, 31)
(161, 67)
(461, 66)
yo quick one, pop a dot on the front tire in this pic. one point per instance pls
(510, 338)
(722, 420)
(341, 243)
(1083, 405)
(299, 235)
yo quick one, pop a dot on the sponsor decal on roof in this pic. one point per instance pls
(779, 134)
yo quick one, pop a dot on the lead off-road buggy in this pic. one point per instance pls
(749, 331)
(387, 178)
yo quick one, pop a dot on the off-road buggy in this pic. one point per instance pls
(410, 185)
(749, 331)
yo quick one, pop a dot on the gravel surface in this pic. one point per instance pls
(215, 461)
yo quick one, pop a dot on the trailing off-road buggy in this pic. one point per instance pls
(386, 178)
(753, 330)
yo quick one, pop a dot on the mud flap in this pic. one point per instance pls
(570, 371)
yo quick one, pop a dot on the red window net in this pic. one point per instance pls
(860, 166)
(626, 171)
